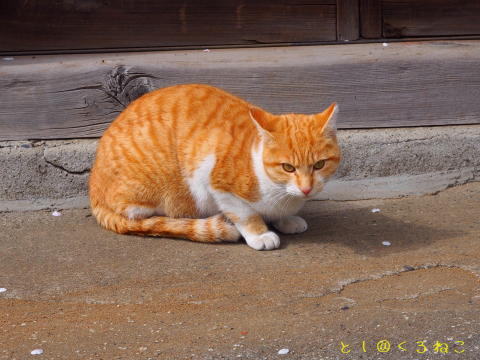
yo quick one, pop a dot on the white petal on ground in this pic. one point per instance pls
(386, 243)
(283, 351)
(385, 44)
(56, 213)
(2, 290)
(37, 352)
(375, 210)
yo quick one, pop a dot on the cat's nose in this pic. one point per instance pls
(306, 191)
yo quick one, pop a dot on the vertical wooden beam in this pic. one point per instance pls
(348, 20)
(371, 19)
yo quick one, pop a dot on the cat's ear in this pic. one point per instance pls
(262, 120)
(328, 119)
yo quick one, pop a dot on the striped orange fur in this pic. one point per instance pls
(195, 162)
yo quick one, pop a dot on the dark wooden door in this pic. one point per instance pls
(66, 25)
(397, 19)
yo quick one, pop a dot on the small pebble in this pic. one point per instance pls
(375, 210)
(2, 290)
(56, 213)
(283, 351)
(385, 44)
(206, 50)
(386, 243)
(37, 352)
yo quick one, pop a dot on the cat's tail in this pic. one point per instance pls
(213, 229)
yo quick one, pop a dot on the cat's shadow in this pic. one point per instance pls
(364, 231)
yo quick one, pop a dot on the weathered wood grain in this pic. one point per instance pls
(370, 19)
(348, 20)
(404, 84)
(43, 25)
(407, 18)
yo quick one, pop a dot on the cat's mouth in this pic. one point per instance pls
(305, 194)
(301, 195)
(310, 195)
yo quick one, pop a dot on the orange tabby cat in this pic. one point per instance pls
(195, 162)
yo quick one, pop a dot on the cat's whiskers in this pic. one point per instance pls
(281, 200)
(286, 205)
(275, 197)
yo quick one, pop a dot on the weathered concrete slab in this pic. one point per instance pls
(80, 292)
(377, 163)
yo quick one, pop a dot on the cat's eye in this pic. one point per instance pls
(288, 168)
(319, 164)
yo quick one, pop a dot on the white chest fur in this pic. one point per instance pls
(199, 184)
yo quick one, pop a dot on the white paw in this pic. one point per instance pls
(265, 241)
(291, 225)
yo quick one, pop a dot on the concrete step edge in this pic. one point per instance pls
(377, 163)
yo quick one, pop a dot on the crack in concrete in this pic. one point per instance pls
(343, 284)
(407, 268)
(83, 172)
(417, 295)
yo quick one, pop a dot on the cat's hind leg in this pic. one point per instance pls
(291, 225)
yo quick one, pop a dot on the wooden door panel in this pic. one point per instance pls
(102, 24)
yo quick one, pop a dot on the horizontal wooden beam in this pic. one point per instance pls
(402, 84)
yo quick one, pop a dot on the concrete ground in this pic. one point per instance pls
(77, 291)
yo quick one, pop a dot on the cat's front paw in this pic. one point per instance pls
(291, 225)
(266, 241)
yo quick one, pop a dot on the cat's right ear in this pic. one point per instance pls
(262, 121)
(328, 119)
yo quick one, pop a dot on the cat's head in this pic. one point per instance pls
(300, 152)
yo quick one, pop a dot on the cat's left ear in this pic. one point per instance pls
(328, 119)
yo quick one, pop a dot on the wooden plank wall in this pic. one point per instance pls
(403, 84)
(413, 18)
(348, 20)
(47, 25)
(66, 26)
(43, 26)
(419, 18)
(371, 19)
